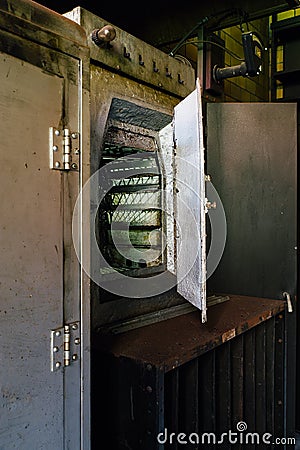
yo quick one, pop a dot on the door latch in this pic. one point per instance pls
(65, 346)
(64, 149)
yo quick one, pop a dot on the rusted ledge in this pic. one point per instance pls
(171, 343)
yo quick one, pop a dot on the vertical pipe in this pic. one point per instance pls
(200, 58)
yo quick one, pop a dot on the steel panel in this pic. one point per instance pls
(42, 286)
(251, 157)
(31, 258)
(190, 200)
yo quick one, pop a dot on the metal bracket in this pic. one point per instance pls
(64, 149)
(65, 346)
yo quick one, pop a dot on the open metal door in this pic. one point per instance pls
(190, 200)
(40, 303)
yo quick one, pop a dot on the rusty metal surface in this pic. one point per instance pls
(173, 342)
(209, 393)
(34, 14)
(135, 58)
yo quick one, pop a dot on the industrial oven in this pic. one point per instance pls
(130, 282)
(177, 175)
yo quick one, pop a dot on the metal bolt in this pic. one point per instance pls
(58, 364)
(57, 333)
(55, 349)
(57, 164)
(74, 135)
(211, 205)
(74, 326)
(76, 151)
(55, 148)
(74, 357)
(77, 341)
(74, 166)
(57, 132)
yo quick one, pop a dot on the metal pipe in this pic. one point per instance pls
(229, 72)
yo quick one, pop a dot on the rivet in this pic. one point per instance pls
(58, 364)
(57, 164)
(77, 341)
(57, 132)
(55, 148)
(149, 367)
(74, 357)
(74, 166)
(76, 151)
(74, 326)
(74, 135)
(57, 333)
(280, 341)
(55, 349)
(149, 389)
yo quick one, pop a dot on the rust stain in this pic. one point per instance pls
(228, 335)
(171, 343)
